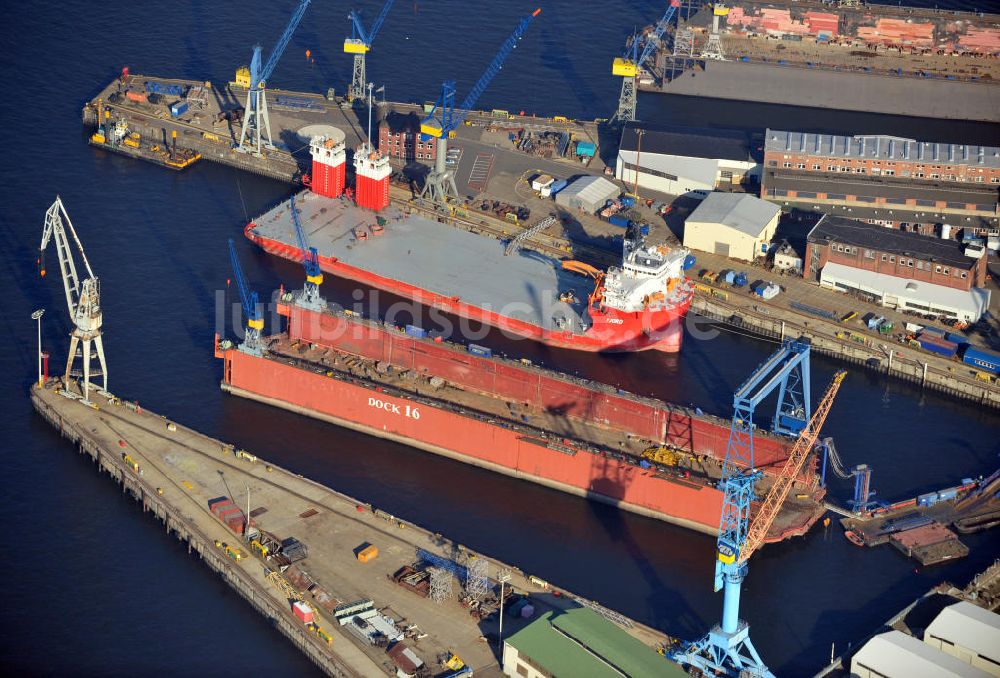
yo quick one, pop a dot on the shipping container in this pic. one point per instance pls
(481, 351)
(928, 499)
(933, 330)
(618, 220)
(178, 109)
(935, 344)
(628, 201)
(303, 612)
(139, 97)
(586, 148)
(956, 338)
(553, 188)
(212, 503)
(368, 553)
(981, 359)
(950, 493)
(541, 181)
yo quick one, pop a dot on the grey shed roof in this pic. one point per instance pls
(881, 147)
(831, 228)
(738, 211)
(897, 654)
(691, 142)
(591, 189)
(970, 626)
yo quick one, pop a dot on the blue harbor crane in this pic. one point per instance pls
(309, 297)
(444, 119)
(251, 343)
(359, 44)
(727, 649)
(627, 66)
(256, 132)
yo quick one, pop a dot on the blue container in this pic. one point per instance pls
(644, 230)
(178, 109)
(928, 499)
(937, 345)
(980, 359)
(586, 148)
(950, 493)
(628, 201)
(933, 330)
(956, 338)
(481, 351)
(689, 261)
(415, 331)
(616, 220)
(730, 277)
(740, 280)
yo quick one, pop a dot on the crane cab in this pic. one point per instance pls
(355, 46)
(243, 77)
(432, 128)
(623, 67)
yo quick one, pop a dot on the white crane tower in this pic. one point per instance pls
(82, 297)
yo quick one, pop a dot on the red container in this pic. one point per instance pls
(230, 512)
(236, 524)
(222, 507)
(303, 612)
(139, 97)
(219, 502)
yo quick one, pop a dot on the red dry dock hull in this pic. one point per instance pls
(472, 441)
(612, 330)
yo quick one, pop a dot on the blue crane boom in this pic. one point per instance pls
(256, 126)
(368, 37)
(310, 296)
(251, 306)
(627, 66)
(279, 47)
(449, 121)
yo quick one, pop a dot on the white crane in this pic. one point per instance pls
(82, 297)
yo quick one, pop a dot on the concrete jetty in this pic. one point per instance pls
(174, 472)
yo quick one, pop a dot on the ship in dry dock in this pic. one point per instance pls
(462, 402)
(636, 306)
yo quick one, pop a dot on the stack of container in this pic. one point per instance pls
(937, 344)
(228, 512)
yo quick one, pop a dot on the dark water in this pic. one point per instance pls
(94, 587)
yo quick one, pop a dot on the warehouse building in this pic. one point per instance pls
(735, 225)
(900, 270)
(918, 185)
(685, 160)
(579, 642)
(588, 194)
(399, 137)
(968, 632)
(897, 655)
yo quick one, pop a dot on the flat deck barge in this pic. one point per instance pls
(175, 472)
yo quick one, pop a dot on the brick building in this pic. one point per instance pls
(909, 184)
(902, 270)
(399, 137)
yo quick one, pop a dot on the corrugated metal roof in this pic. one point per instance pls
(970, 626)
(832, 228)
(896, 654)
(579, 642)
(881, 147)
(739, 211)
(879, 187)
(972, 302)
(692, 142)
(591, 190)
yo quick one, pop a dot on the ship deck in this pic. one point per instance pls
(796, 516)
(438, 258)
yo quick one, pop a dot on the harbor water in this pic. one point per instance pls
(95, 587)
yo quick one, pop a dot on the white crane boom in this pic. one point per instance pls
(83, 298)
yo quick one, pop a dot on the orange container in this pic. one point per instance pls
(368, 553)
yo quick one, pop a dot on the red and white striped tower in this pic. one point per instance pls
(329, 164)
(371, 171)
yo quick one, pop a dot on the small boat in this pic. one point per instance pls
(854, 538)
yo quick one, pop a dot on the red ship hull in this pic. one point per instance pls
(612, 330)
(473, 441)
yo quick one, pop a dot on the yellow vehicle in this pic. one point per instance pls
(560, 118)
(132, 140)
(511, 217)
(984, 376)
(454, 662)
(847, 317)
(234, 552)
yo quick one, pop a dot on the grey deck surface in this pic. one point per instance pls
(436, 257)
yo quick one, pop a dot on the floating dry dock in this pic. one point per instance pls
(175, 472)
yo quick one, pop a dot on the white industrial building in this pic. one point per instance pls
(588, 194)
(897, 655)
(735, 225)
(684, 160)
(968, 632)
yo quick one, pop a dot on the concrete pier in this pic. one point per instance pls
(173, 471)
